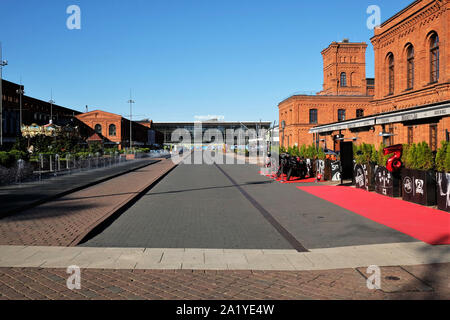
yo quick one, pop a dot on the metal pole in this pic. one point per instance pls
(131, 120)
(20, 91)
(51, 106)
(2, 64)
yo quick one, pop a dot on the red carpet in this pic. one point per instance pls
(428, 225)
(296, 180)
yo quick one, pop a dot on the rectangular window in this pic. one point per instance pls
(313, 116)
(341, 115)
(410, 75)
(410, 135)
(433, 137)
(359, 113)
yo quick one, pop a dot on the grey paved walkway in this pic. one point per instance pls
(18, 197)
(198, 206)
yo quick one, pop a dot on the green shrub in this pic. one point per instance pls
(365, 153)
(447, 159)
(302, 152)
(321, 154)
(425, 157)
(311, 152)
(441, 155)
(9, 159)
(381, 158)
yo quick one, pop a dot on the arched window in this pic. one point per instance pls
(112, 130)
(434, 58)
(98, 128)
(313, 116)
(391, 73)
(343, 79)
(410, 67)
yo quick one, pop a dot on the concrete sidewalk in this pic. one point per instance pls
(224, 259)
(19, 197)
(67, 220)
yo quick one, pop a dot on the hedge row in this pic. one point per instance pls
(415, 156)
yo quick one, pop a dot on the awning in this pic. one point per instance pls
(439, 110)
(408, 115)
(357, 123)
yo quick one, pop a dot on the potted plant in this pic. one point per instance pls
(320, 163)
(443, 177)
(418, 176)
(310, 155)
(386, 183)
(365, 163)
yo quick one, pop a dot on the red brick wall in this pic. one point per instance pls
(412, 25)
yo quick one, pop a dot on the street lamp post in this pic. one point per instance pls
(51, 107)
(20, 92)
(131, 101)
(2, 64)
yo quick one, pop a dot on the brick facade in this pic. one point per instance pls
(345, 88)
(113, 128)
(402, 80)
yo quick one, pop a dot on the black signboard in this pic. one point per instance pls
(336, 171)
(419, 187)
(443, 191)
(360, 173)
(387, 183)
(320, 167)
(364, 176)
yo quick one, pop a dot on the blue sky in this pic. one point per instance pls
(181, 58)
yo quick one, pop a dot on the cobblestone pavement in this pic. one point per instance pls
(65, 221)
(412, 282)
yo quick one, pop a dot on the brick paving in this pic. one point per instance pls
(412, 282)
(65, 221)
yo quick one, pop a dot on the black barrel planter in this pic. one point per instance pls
(419, 186)
(364, 176)
(387, 183)
(443, 190)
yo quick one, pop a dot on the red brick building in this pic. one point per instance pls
(113, 129)
(33, 111)
(346, 94)
(411, 99)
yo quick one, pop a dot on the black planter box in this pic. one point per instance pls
(364, 176)
(443, 190)
(387, 183)
(320, 168)
(419, 186)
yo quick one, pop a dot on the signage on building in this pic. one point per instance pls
(430, 112)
